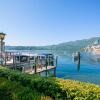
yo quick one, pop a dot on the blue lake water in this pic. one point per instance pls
(88, 71)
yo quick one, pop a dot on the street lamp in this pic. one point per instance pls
(2, 36)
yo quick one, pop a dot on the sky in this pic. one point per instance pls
(48, 22)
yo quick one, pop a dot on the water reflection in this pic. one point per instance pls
(78, 66)
(49, 73)
(77, 58)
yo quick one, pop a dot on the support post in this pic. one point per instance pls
(56, 61)
(13, 62)
(35, 70)
(5, 58)
(19, 54)
(46, 66)
(55, 66)
(55, 72)
(1, 52)
(78, 65)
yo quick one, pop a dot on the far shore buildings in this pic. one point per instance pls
(95, 48)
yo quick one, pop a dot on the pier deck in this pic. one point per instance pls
(39, 70)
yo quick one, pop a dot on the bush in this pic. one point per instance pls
(59, 89)
(46, 86)
(15, 91)
(79, 90)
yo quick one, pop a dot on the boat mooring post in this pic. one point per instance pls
(46, 67)
(5, 58)
(79, 56)
(13, 62)
(35, 70)
(55, 66)
(78, 65)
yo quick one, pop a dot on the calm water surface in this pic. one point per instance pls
(89, 71)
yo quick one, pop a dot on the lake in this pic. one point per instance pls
(88, 71)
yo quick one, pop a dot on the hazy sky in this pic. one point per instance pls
(46, 22)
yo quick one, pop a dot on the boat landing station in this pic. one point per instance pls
(27, 62)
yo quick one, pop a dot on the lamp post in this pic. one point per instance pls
(2, 36)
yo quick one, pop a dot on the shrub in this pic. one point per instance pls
(59, 89)
(15, 91)
(79, 90)
(46, 86)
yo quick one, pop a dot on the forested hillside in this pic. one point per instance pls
(68, 46)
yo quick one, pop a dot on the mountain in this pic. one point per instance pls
(71, 46)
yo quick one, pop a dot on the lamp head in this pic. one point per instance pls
(2, 35)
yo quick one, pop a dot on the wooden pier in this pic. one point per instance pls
(30, 63)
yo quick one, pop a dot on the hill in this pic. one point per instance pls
(71, 46)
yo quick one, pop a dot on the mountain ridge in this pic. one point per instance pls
(71, 46)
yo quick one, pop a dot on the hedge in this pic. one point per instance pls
(79, 90)
(58, 89)
(47, 86)
(15, 91)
